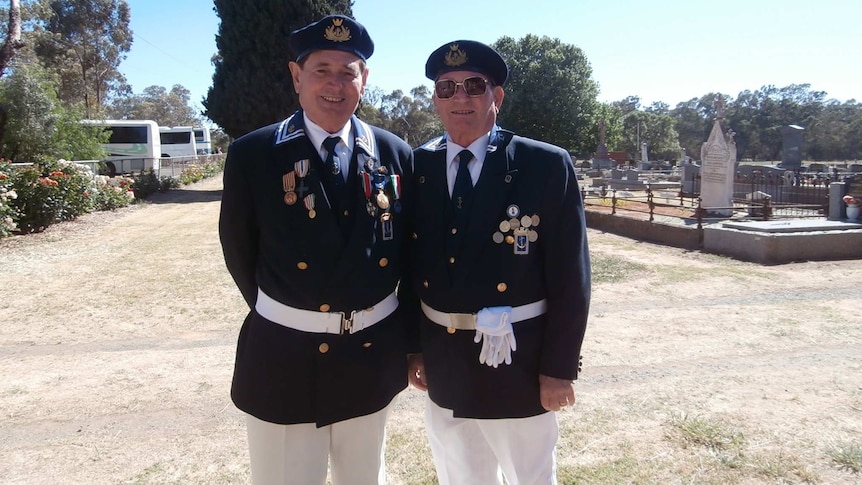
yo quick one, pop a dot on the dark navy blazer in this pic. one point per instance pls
(288, 376)
(526, 177)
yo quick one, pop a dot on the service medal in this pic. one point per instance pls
(290, 198)
(382, 200)
(386, 229)
(309, 204)
(522, 242)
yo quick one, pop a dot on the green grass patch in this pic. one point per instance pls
(711, 434)
(612, 269)
(847, 456)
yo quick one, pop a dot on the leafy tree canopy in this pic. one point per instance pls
(167, 108)
(83, 43)
(252, 86)
(40, 128)
(550, 94)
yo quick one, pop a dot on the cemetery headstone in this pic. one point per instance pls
(690, 174)
(718, 158)
(791, 146)
(602, 159)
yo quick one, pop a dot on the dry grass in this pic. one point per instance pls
(118, 333)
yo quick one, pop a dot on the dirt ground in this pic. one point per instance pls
(117, 335)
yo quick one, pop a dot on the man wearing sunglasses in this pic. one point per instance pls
(312, 229)
(501, 265)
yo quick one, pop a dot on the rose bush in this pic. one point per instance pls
(32, 197)
(8, 212)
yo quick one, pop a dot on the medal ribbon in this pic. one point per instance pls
(396, 185)
(289, 181)
(301, 167)
(366, 184)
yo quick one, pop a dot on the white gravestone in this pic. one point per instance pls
(718, 159)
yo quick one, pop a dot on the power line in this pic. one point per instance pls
(168, 54)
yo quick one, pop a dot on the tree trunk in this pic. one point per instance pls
(13, 37)
(7, 51)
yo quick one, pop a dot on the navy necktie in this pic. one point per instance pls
(332, 163)
(463, 190)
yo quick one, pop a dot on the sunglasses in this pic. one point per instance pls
(473, 86)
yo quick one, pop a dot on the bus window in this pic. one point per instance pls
(178, 141)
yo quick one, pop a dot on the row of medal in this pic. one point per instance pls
(377, 201)
(373, 185)
(292, 193)
(521, 229)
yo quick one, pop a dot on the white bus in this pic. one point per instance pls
(203, 141)
(178, 141)
(133, 146)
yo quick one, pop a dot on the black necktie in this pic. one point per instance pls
(332, 163)
(463, 190)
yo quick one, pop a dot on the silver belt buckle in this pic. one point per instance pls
(462, 321)
(347, 322)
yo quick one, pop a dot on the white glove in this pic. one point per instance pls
(494, 330)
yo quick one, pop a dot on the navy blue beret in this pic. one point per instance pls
(467, 55)
(333, 32)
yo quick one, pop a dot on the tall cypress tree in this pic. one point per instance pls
(252, 86)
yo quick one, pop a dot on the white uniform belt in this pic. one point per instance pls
(467, 321)
(324, 322)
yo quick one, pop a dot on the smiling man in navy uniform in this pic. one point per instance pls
(311, 227)
(503, 274)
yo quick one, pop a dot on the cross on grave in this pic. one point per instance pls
(719, 107)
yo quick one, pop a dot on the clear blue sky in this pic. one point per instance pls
(659, 50)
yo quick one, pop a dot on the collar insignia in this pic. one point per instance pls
(336, 32)
(455, 57)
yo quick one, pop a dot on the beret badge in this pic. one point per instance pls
(455, 57)
(336, 32)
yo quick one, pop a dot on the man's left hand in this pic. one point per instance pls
(555, 394)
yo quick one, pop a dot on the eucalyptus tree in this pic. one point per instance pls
(550, 94)
(252, 86)
(167, 108)
(12, 42)
(83, 42)
(656, 130)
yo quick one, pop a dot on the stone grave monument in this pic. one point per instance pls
(791, 147)
(602, 159)
(718, 159)
(689, 177)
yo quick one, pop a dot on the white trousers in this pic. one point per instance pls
(297, 454)
(483, 451)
